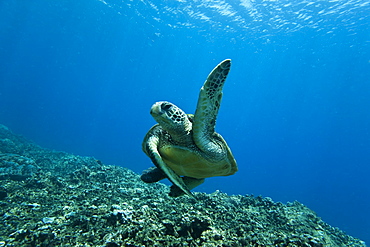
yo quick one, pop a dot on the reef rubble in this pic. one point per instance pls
(51, 198)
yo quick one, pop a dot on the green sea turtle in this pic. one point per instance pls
(185, 148)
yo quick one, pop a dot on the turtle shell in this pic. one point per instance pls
(191, 162)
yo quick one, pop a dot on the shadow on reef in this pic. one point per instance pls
(50, 198)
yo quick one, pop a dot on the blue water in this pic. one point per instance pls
(81, 76)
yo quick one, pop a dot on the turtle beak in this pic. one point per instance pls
(160, 108)
(159, 114)
(156, 109)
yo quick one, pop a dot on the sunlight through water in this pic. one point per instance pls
(263, 17)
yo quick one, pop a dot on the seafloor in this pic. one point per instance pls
(50, 198)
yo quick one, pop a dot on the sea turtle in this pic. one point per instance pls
(187, 145)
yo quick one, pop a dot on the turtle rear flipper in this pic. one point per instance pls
(191, 183)
(152, 175)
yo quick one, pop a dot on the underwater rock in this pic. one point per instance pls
(68, 200)
(16, 167)
(3, 194)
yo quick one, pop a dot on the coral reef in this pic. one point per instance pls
(50, 198)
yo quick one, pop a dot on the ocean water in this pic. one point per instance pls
(81, 76)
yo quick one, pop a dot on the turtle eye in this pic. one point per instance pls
(165, 107)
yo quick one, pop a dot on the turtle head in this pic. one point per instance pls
(171, 118)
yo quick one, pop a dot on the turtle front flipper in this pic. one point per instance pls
(208, 105)
(151, 149)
